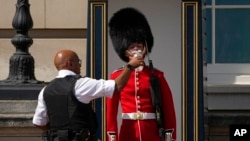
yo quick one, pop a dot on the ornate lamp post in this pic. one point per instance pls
(21, 88)
(21, 69)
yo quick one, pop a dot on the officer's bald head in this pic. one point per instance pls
(61, 58)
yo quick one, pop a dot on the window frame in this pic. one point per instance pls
(225, 73)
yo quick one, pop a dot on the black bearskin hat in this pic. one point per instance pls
(127, 26)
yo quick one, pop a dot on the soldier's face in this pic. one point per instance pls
(132, 48)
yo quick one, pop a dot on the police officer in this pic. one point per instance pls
(64, 107)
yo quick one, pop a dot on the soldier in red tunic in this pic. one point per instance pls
(131, 35)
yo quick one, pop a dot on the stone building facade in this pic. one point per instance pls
(57, 24)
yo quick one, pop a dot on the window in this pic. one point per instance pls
(228, 41)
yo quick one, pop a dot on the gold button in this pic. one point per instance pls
(139, 107)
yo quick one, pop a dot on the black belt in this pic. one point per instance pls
(68, 135)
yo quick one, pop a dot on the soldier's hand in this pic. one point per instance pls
(136, 61)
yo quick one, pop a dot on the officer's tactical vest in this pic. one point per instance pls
(65, 112)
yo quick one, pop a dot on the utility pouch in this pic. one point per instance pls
(63, 135)
(83, 135)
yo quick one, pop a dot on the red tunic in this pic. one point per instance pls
(135, 97)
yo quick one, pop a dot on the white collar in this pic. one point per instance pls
(63, 73)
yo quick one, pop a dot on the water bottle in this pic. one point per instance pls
(138, 53)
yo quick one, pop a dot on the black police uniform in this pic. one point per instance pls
(69, 119)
